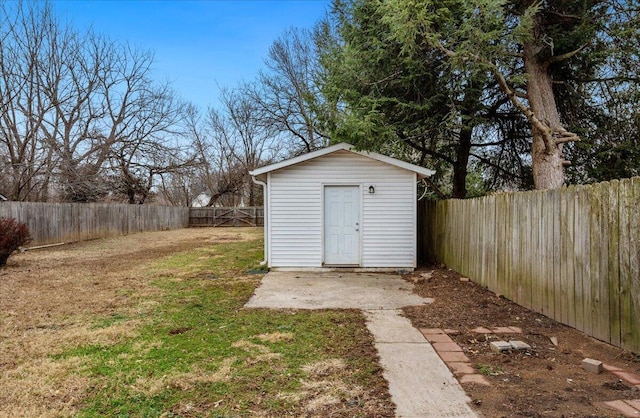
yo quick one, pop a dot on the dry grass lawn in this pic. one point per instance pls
(152, 324)
(50, 297)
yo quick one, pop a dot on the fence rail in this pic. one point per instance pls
(51, 223)
(251, 216)
(571, 254)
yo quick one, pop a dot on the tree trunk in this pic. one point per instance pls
(460, 165)
(547, 158)
(132, 195)
(468, 111)
(251, 195)
(3, 259)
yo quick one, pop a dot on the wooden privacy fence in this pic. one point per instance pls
(252, 216)
(51, 223)
(571, 254)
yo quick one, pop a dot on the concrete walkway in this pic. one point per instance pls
(420, 384)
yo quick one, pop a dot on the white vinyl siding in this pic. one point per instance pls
(295, 199)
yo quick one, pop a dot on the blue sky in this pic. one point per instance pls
(197, 43)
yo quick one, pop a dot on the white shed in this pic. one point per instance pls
(337, 207)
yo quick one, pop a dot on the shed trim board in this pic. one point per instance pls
(421, 171)
(415, 224)
(265, 214)
(295, 212)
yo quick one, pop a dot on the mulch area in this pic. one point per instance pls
(545, 381)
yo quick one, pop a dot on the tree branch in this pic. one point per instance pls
(605, 79)
(387, 78)
(565, 56)
(562, 15)
(496, 166)
(489, 144)
(409, 141)
(521, 94)
(435, 188)
(562, 136)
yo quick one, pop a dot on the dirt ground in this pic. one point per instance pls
(546, 381)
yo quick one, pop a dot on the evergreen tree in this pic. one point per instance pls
(527, 46)
(411, 103)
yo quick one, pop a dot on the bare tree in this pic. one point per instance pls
(287, 92)
(73, 103)
(179, 188)
(25, 160)
(228, 143)
(213, 170)
(149, 146)
(240, 133)
(108, 108)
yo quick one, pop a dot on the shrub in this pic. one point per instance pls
(13, 235)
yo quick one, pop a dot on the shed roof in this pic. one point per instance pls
(343, 146)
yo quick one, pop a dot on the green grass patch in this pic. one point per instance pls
(199, 353)
(223, 260)
(488, 370)
(108, 321)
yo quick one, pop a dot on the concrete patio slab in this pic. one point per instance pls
(312, 290)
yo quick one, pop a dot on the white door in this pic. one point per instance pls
(342, 225)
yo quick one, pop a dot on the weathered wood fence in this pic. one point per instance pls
(251, 216)
(51, 223)
(571, 254)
